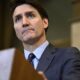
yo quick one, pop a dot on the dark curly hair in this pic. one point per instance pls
(33, 3)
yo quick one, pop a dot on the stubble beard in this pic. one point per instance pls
(32, 41)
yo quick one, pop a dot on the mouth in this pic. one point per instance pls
(27, 30)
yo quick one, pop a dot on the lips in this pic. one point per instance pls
(27, 30)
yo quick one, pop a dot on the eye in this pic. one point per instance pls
(18, 18)
(30, 15)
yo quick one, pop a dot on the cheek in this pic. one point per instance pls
(40, 26)
(17, 27)
(38, 23)
(17, 30)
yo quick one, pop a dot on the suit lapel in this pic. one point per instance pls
(46, 58)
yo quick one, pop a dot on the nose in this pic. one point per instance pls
(25, 22)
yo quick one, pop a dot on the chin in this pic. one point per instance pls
(27, 39)
(30, 41)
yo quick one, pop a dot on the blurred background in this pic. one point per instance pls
(63, 15)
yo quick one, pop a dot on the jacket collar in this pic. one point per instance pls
(46, 58)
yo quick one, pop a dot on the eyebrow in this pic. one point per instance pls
(30, 12)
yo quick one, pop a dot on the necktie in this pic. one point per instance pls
(30, 58)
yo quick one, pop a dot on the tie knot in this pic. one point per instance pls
(31, 57)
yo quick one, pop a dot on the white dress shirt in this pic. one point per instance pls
(37, 52)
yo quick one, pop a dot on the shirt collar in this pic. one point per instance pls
(38, 51)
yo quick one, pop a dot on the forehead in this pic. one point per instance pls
(24, 8)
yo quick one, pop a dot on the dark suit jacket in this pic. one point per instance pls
(60, 63)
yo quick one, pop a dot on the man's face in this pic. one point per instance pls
(28, 23)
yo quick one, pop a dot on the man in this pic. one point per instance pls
(30, 24)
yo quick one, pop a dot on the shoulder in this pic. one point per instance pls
(65, 51)
(68, 52)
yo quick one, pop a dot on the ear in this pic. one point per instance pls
(45, 22)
